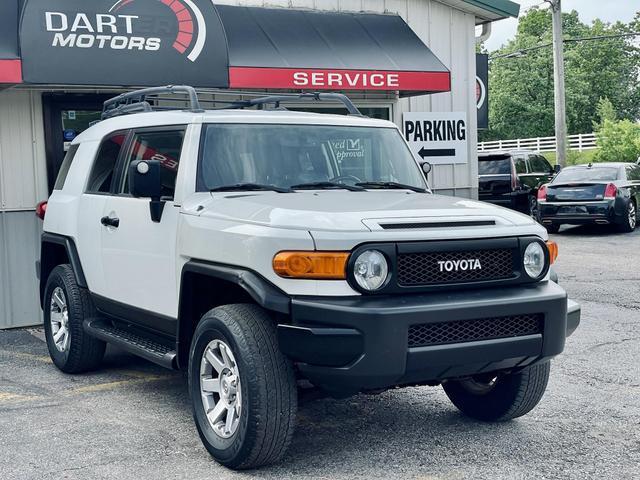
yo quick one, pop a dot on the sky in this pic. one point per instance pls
(607, 10)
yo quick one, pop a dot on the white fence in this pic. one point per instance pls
(585, 141)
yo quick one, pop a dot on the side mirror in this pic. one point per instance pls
(145, 182)
(426, 167)
(556, 169)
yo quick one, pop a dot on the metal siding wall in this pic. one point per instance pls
(23, 180)
(19, 249)
(22, 185)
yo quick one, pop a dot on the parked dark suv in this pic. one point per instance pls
(511, 179)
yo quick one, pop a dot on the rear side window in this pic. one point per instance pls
(494, 166)
(105, 163)
(163, 145)
(64, 168)
(521, 165)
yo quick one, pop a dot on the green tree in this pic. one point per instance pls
(604, 111)
(618, 141)
(521, 102)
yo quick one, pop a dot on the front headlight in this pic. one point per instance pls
(370, 270)
(534, 260)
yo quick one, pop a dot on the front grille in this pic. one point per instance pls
(423, 268)
(428, 334)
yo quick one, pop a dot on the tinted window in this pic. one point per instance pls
(105, 163)
(521, 165)
(539, 164)
(584, 174)
(162, 145)
(494, 166)
(633, 172)
(66, 165)
(287, 155)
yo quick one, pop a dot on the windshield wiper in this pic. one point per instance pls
(326, 185)
(250, 187)
(391, 185)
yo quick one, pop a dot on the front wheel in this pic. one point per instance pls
(242, 388)
(499, 397)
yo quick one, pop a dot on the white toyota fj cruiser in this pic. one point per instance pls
(269, 252)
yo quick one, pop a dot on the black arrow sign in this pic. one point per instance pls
(437, 152)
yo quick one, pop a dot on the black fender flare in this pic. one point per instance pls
(263, 293)
(47, 264)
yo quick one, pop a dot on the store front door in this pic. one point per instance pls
(65, 117)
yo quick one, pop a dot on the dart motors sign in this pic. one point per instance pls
(127, 42)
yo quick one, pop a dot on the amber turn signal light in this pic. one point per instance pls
(311, 265)
(553, 251)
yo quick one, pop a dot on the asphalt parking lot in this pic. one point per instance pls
(132, 420)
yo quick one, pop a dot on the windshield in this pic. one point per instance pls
(494, 166)
(596, 174)
(293, 155)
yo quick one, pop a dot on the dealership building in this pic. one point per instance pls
(409, 61)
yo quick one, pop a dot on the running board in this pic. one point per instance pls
(132, 343)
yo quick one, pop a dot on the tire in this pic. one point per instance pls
(70, 348)
(510, 396)
(553, 228)
(261, 430)
(534, 211)
(629, 221)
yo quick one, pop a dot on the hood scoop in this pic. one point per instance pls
(447, 224)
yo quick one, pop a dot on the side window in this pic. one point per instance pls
(539, 164)
(545, 164)
(162, 145)
(521, 165)
(105, 163)
(633, 173)
(64, 168)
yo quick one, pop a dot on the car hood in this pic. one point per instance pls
(348, 211)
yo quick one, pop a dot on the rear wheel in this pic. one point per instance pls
(242, 388)
(501, 397)
(534, 212)
(630, 220)
(66, 306)
(553, 228)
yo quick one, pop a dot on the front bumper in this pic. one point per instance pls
(361, 343)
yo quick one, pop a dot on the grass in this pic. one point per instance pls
(574, 157)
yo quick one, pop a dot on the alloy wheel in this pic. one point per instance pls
(59, 319)
(533, 209)
(632, 215)
(480, 384)
(220, 388)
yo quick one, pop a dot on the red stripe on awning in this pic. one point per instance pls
(10, 71)
(329, 79)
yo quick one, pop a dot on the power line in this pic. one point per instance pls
(523, 51)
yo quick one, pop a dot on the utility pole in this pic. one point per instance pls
(558, 82)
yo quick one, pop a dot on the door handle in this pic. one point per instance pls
(110, 222)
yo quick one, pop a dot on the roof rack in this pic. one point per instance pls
(137, 101)
(316, 96)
